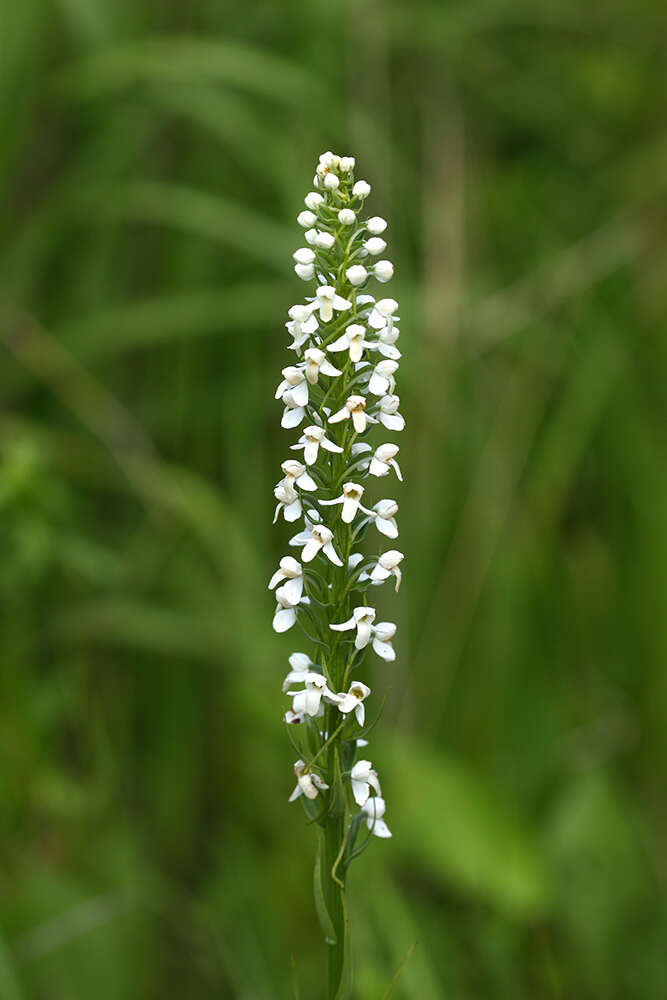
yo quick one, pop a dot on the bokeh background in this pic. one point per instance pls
(153, 157)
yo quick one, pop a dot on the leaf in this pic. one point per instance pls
(187, 60)
(449, 820)
(190, 210)
(345, 986)
(399, 972)
(326, 922)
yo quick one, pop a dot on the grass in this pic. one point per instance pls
(152, 161)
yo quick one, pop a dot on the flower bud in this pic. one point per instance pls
(375, 245)
(324, 241)
(356, 274)
(310, 236)
(376, 225)
(347, 164)
(305, 271)
(383, 270)
(306, 219)
(361, 189)
(346, 217)
(331, 182)
(304, 255)
(313, 200)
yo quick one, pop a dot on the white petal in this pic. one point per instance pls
(331, 554)
(328, 369)
(276, 578)
(393, 421)
(310, 452)
(345, 626)
(312, 547)
(378, 468)
(340, 303)
(330, 446)
(341, 344)
(292, 417)
(360, 792)
(379, 828)
(293, 589)
(387, 526)
(384, 649)
(341, 415)
(349, 509)
(359, 420)
(300, 394)
(363, 636)
(360, 712)
(283, 619)
(378, 385)
(292, 511)
(295, 794)
(306, 482)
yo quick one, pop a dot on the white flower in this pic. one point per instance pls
(388, 414)
(314, 537)
(386, 342)
(290, 570)
(375, 809)
(361, 189)
(307, 784)
(388, 564)
(316, 362)
(383, 633)
(346, 164)
(331, 182)
(375, 246)
(356, 274)
(313, 200)
(362, 779)
(376, 225)
(384, 460)
(305, 271)
(301, 665)
(327, 300)
(383, 314)
(362, 619)
(382, 378)
(306, 219)
(316, 689)
(355, 407)
(351, 501)
(293, 413)
(304, 255)
(310, 236)
(294, 382)
(328, 161)
(384, 270)
(288, 500)
(303, 323)
(354, 339)
(353, 701)
(346, 217)
(296, 475)
(285, 613)
(324, 241)
(385, 517)
(312, 439)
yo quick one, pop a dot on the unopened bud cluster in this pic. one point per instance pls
(340, 393)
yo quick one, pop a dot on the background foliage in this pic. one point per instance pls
(153, 157)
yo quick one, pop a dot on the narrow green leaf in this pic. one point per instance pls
(345, 987)
(326, 922)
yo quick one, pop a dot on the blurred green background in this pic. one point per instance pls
(153, 157)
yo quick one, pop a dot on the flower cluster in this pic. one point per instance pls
(340, 390)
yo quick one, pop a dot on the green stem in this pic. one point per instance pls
(333, 838)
